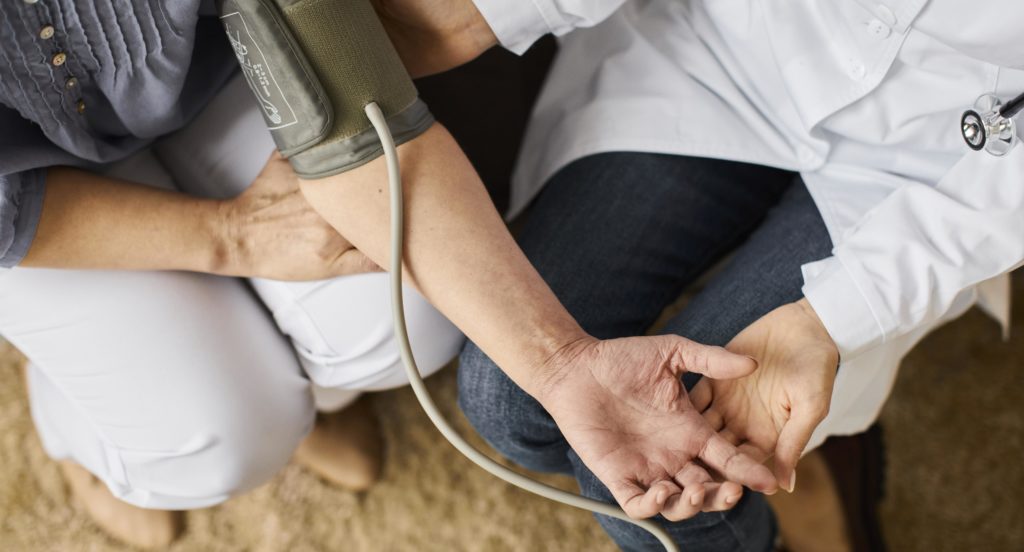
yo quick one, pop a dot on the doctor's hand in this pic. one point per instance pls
(433, 36)
(271, 231)
(774, 410)
(622, 407)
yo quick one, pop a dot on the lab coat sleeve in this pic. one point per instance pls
(519, 23)
(902, 265)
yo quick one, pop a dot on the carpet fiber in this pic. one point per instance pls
(954, 427)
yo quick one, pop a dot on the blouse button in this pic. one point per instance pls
(80, 106)
(31, 1)
(46, 32)
(71, 83)
(59, 58)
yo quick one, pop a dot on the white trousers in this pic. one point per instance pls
(179, 390)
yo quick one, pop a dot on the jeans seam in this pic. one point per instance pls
(734, 531)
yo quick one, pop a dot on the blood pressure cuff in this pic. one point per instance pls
(313, 66)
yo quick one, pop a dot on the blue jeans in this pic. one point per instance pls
(618, 237)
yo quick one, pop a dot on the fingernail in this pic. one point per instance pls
(660, 497)
(792, 481)
(695, 500)
(731, 499)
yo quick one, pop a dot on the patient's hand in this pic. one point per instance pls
(622, 407)
(776, 408)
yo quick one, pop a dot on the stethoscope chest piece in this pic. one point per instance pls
(989, 125)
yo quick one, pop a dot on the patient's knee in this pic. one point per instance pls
(365, 356)
(239, 447)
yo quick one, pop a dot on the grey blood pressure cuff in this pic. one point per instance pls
(313, 66)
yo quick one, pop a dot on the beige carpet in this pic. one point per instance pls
(955, 429)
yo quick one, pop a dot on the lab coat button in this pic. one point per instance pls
(878, 29)
(857, 70)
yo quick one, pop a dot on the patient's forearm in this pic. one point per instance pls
(458, 252)
(91, 221)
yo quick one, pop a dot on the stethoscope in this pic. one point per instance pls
(989, 125)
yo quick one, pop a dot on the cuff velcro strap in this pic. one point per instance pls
(313, 66)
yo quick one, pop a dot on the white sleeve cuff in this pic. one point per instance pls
(842, 307)
(516, 23)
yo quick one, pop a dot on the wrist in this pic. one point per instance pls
(808, 311)
(812, 317)
(559, 363)
(223, 231)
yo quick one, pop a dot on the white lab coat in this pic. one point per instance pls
(862, 97)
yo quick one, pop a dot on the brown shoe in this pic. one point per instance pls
(138, 527)
(839, 489)
(857, 465)
(345, 447)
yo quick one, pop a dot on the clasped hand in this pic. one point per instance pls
(622, 407)
(775, 409)
(271, 231)
(659, 450)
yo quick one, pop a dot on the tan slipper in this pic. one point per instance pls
(811, 518)
(138, 527)
(345, 447)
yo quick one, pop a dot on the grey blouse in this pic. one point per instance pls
(84, 83)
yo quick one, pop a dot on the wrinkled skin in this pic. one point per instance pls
(623, 408)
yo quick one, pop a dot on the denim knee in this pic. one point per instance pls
(509, 419)
(749, 526)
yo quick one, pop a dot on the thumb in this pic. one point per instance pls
(353, 261)
(713, 362)
(792, 441)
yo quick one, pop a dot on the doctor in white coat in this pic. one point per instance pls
(859, 101)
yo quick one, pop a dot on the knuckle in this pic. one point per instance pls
(700, 356)
(730, 460)
(694, 356)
